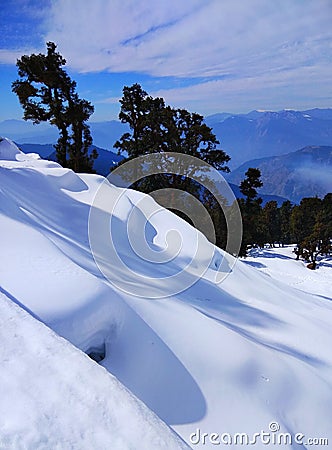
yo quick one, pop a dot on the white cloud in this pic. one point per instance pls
(117, 35)
(110, 100)
(292, 88)
(11, 56)
(191, 38)
(257, 53)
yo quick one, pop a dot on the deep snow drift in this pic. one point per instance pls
(222, 358)
(55, 397)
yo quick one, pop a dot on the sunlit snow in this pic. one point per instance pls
(219, 358)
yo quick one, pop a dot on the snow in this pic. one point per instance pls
(222, 357)
(280, 264)
(55, 397)
(8, 151)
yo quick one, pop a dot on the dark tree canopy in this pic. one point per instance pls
(311, 226)
(156, 127)
(251, 210)
(285, 212)
(271, 223)
(251, 183)
(307, 225)
(47, 93)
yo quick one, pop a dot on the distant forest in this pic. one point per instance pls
(308, 225)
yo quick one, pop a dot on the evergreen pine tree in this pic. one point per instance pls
(271, 223)
(285, 212)
(157, 128)
(251, 210)
(305, 227)
(47, 93)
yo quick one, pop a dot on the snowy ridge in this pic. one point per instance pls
(229, 357)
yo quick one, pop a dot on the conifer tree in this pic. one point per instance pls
(250, 184)
(158, 128)
(285, 212)
(47, 93)
(311, 226)
(302, 222)
(271, 223)
(327, 224)
(251, 210)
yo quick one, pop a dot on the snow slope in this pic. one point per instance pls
(219, 357)
(55, 397)
(280, 264)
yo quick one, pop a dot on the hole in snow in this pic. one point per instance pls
(97, 353)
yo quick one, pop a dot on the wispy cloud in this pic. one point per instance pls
(216, 54)
(192, 38)
(110, 100)
(11, 56)
(117, 35)
(273, 90)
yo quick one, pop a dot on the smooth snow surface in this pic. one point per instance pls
(280, 264)
(54, 397)
(222, 358)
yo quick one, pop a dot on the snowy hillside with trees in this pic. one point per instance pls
(246, 354)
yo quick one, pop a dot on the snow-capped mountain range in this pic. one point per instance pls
(257, 134)
(247, 138)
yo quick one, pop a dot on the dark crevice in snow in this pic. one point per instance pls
(97, 353)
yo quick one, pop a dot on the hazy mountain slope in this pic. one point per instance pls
(106, 159)
(230, 356)
(265, 197)
(304, 173)
(43, 150)
(24, 131)
(104, 133)
(257, 135)
(243, 136)
(320, 113)
(325, 114)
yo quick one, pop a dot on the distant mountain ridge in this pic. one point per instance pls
(106, 159)
(104, 134)
(266, 133)
(304, 173)
(244, 137)
(318, 113)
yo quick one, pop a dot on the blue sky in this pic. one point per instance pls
(204, 55)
